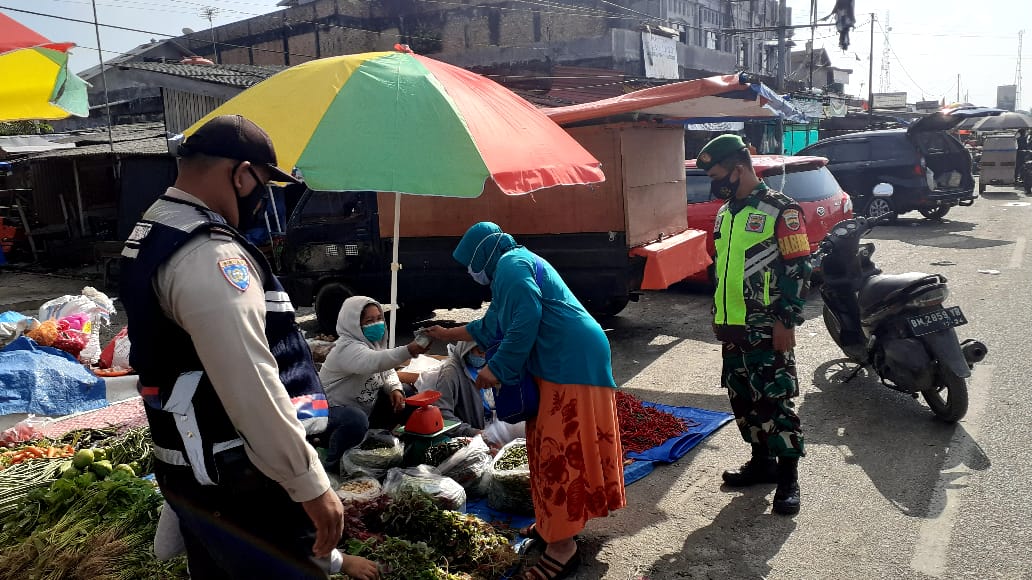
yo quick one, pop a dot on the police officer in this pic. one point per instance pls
(763, 262)
(227, 380)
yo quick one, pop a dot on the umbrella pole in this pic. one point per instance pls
(395, 266)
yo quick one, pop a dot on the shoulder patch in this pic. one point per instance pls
(792, 220)
(236, 272)
(756, 222)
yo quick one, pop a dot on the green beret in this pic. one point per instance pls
(718, 149)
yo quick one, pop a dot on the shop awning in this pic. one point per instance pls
(709, 100)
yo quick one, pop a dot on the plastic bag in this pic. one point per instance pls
(498, 433)
(377, 453)
(168, 539)
(10, 330)
(508, 489)
(28, 429)
(444, 491)
(116, 353)
(94, 304)
(44, 333)
(359, 489)
(468, 465)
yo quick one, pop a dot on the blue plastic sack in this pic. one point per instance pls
(12, 317)
(46, 381)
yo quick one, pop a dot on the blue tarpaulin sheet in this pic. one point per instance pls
(46, 381)
(703, 424)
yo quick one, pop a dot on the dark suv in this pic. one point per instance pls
(929, 170)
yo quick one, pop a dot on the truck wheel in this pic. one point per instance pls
(935, 213)
(609, 307)
(952, 408)
(328, 301)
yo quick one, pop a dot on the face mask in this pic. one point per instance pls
(250, 208)
(374, 331)
(724, 188)
(476, 360)
(481, 277)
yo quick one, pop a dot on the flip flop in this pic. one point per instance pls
(548, 568)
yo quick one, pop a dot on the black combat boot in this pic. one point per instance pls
(762, 468)
(786, 497)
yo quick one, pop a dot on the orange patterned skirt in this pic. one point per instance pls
(576, 461)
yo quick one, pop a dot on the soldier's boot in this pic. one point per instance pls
(762, 468)
(786, 497)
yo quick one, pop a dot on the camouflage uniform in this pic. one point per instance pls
(772, 272)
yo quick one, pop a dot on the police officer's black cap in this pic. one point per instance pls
(234, 137)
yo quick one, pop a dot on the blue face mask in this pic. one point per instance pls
(476, 361)
(481, 277)
(375, 331)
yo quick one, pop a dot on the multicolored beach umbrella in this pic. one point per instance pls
(401, 122)
(404, 123)
(35, 83)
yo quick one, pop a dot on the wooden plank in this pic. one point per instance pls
(564, 209)
(654, 190)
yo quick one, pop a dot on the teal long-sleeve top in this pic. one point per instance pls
(544, 327)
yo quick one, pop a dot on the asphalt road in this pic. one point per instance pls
(888, 492)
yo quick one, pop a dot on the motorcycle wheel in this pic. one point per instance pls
(835, 330)
(955, 405)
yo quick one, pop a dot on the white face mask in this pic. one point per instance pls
(481, 277)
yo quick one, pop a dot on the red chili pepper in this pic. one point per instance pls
(644, 427)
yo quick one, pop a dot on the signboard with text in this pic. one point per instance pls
(890, 100)
(660, 56)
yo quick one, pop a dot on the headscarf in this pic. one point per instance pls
(488, 242)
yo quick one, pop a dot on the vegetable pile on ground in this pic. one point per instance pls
(87, 516)
(642, 427)
(414, 539)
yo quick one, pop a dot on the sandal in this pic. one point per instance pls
(530, 532)
(548, 568)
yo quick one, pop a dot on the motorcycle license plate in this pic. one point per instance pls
(936, 321)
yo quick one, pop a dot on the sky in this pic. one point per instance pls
(931, 41)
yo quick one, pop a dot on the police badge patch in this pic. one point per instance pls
(756, 223)
(791, 217)
(236, 272)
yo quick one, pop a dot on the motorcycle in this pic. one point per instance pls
(895, 324)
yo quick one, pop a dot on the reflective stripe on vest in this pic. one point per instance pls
(737, 234)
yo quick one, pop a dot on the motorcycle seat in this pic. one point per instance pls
(880, 289)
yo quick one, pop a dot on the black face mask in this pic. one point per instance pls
(724, 188)
(251, 207)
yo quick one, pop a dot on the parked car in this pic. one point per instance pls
(929, 169)
(804, 179)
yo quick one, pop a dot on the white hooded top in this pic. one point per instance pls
(357, 370)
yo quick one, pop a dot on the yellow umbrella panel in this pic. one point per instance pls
(35, 84)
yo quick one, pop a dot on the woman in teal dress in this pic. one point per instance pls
(576, 462)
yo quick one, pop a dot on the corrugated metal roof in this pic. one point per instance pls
(134, 139)
(234, 75)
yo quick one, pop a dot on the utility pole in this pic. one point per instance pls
(1017, 73)
(103, 77)
(958, 87)
(885, 82)
(870, 78)
(813, 30)
(209, 12)
(782, 10)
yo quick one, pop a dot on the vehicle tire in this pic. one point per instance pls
(328, 301)
(981, 187)
(609, 307)
(877, 207)
(835, 330)
(935, 213)
(953, 408)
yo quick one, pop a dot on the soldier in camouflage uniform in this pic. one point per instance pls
(763, 262)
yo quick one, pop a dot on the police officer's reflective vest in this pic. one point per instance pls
(188, 423)
(746, 252)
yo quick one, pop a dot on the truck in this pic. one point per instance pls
(609, 241)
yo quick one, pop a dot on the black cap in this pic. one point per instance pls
(234, 137)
